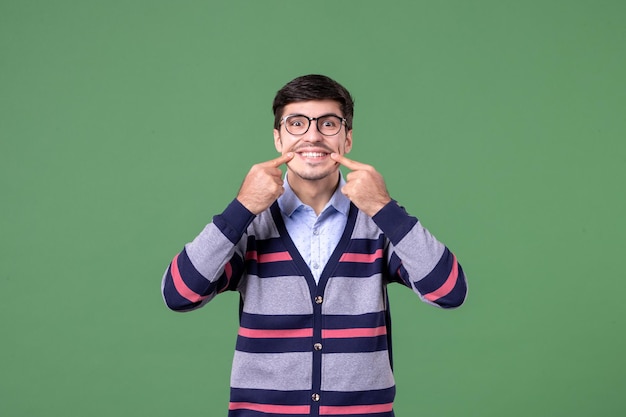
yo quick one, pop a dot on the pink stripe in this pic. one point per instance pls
(356, 409)
(275, 257)
(274, 334)
(348, 333)
(180, 285)
(269, 408)
(268, 257)
(448, 285)
(362, 257)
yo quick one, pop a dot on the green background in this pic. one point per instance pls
(125, 125)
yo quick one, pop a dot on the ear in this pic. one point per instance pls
(348, 141)
(277, 142)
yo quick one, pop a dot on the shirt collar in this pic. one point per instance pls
(289, 201)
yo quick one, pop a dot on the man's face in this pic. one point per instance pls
(312, 149)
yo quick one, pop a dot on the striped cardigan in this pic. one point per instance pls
(307, 349)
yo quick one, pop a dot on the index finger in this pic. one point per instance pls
(281, 159)
(348, 163)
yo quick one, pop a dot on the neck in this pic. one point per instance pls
(314, 193)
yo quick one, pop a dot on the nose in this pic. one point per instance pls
(313, 134)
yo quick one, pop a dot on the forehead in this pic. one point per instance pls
(313, 108)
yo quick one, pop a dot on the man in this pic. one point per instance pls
(311, 256)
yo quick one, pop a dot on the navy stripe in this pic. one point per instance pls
(368, 320)
(271, 269)
(234, 221)
(261, 396)
(282, 322)
(368, 246)
(359, 270)
(394, 221)
(389, 414)
(271, 245)
(251, 413)
(355, 344)
(274, 345)
(382, 396)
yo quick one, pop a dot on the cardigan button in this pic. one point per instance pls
(315, 397)
(317, 346)
(319, 299)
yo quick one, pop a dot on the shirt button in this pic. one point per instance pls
(315, 265)
(317, 346)
(315, 397)
(316, 232)
(319, 299)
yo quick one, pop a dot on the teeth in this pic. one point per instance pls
(313, 154)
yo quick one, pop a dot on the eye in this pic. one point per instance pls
(296, 121)
(329, 121)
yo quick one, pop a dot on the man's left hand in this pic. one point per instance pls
(365, 187)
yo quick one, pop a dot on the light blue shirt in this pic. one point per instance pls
(315, 237)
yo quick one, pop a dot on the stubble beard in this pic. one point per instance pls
(313, 176)
(312, 172)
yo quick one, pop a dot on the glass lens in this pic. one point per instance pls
(329, 125)
(296, 125)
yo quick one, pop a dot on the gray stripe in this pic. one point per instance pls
(356, 371)
(353, 295)
(275, 371)
(276, 296)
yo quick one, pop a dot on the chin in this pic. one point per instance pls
(314, 175)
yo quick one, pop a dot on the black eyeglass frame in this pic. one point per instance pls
(343, 122)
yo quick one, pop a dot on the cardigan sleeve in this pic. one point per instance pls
(418, 260)
(211, 263)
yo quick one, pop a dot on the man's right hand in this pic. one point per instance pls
(263, 184)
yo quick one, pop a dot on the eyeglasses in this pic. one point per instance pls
(299, 124)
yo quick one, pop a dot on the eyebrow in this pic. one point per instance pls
(304, 115)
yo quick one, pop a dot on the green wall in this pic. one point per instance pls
(125, 125)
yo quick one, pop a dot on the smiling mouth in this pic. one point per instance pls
(313, 154)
